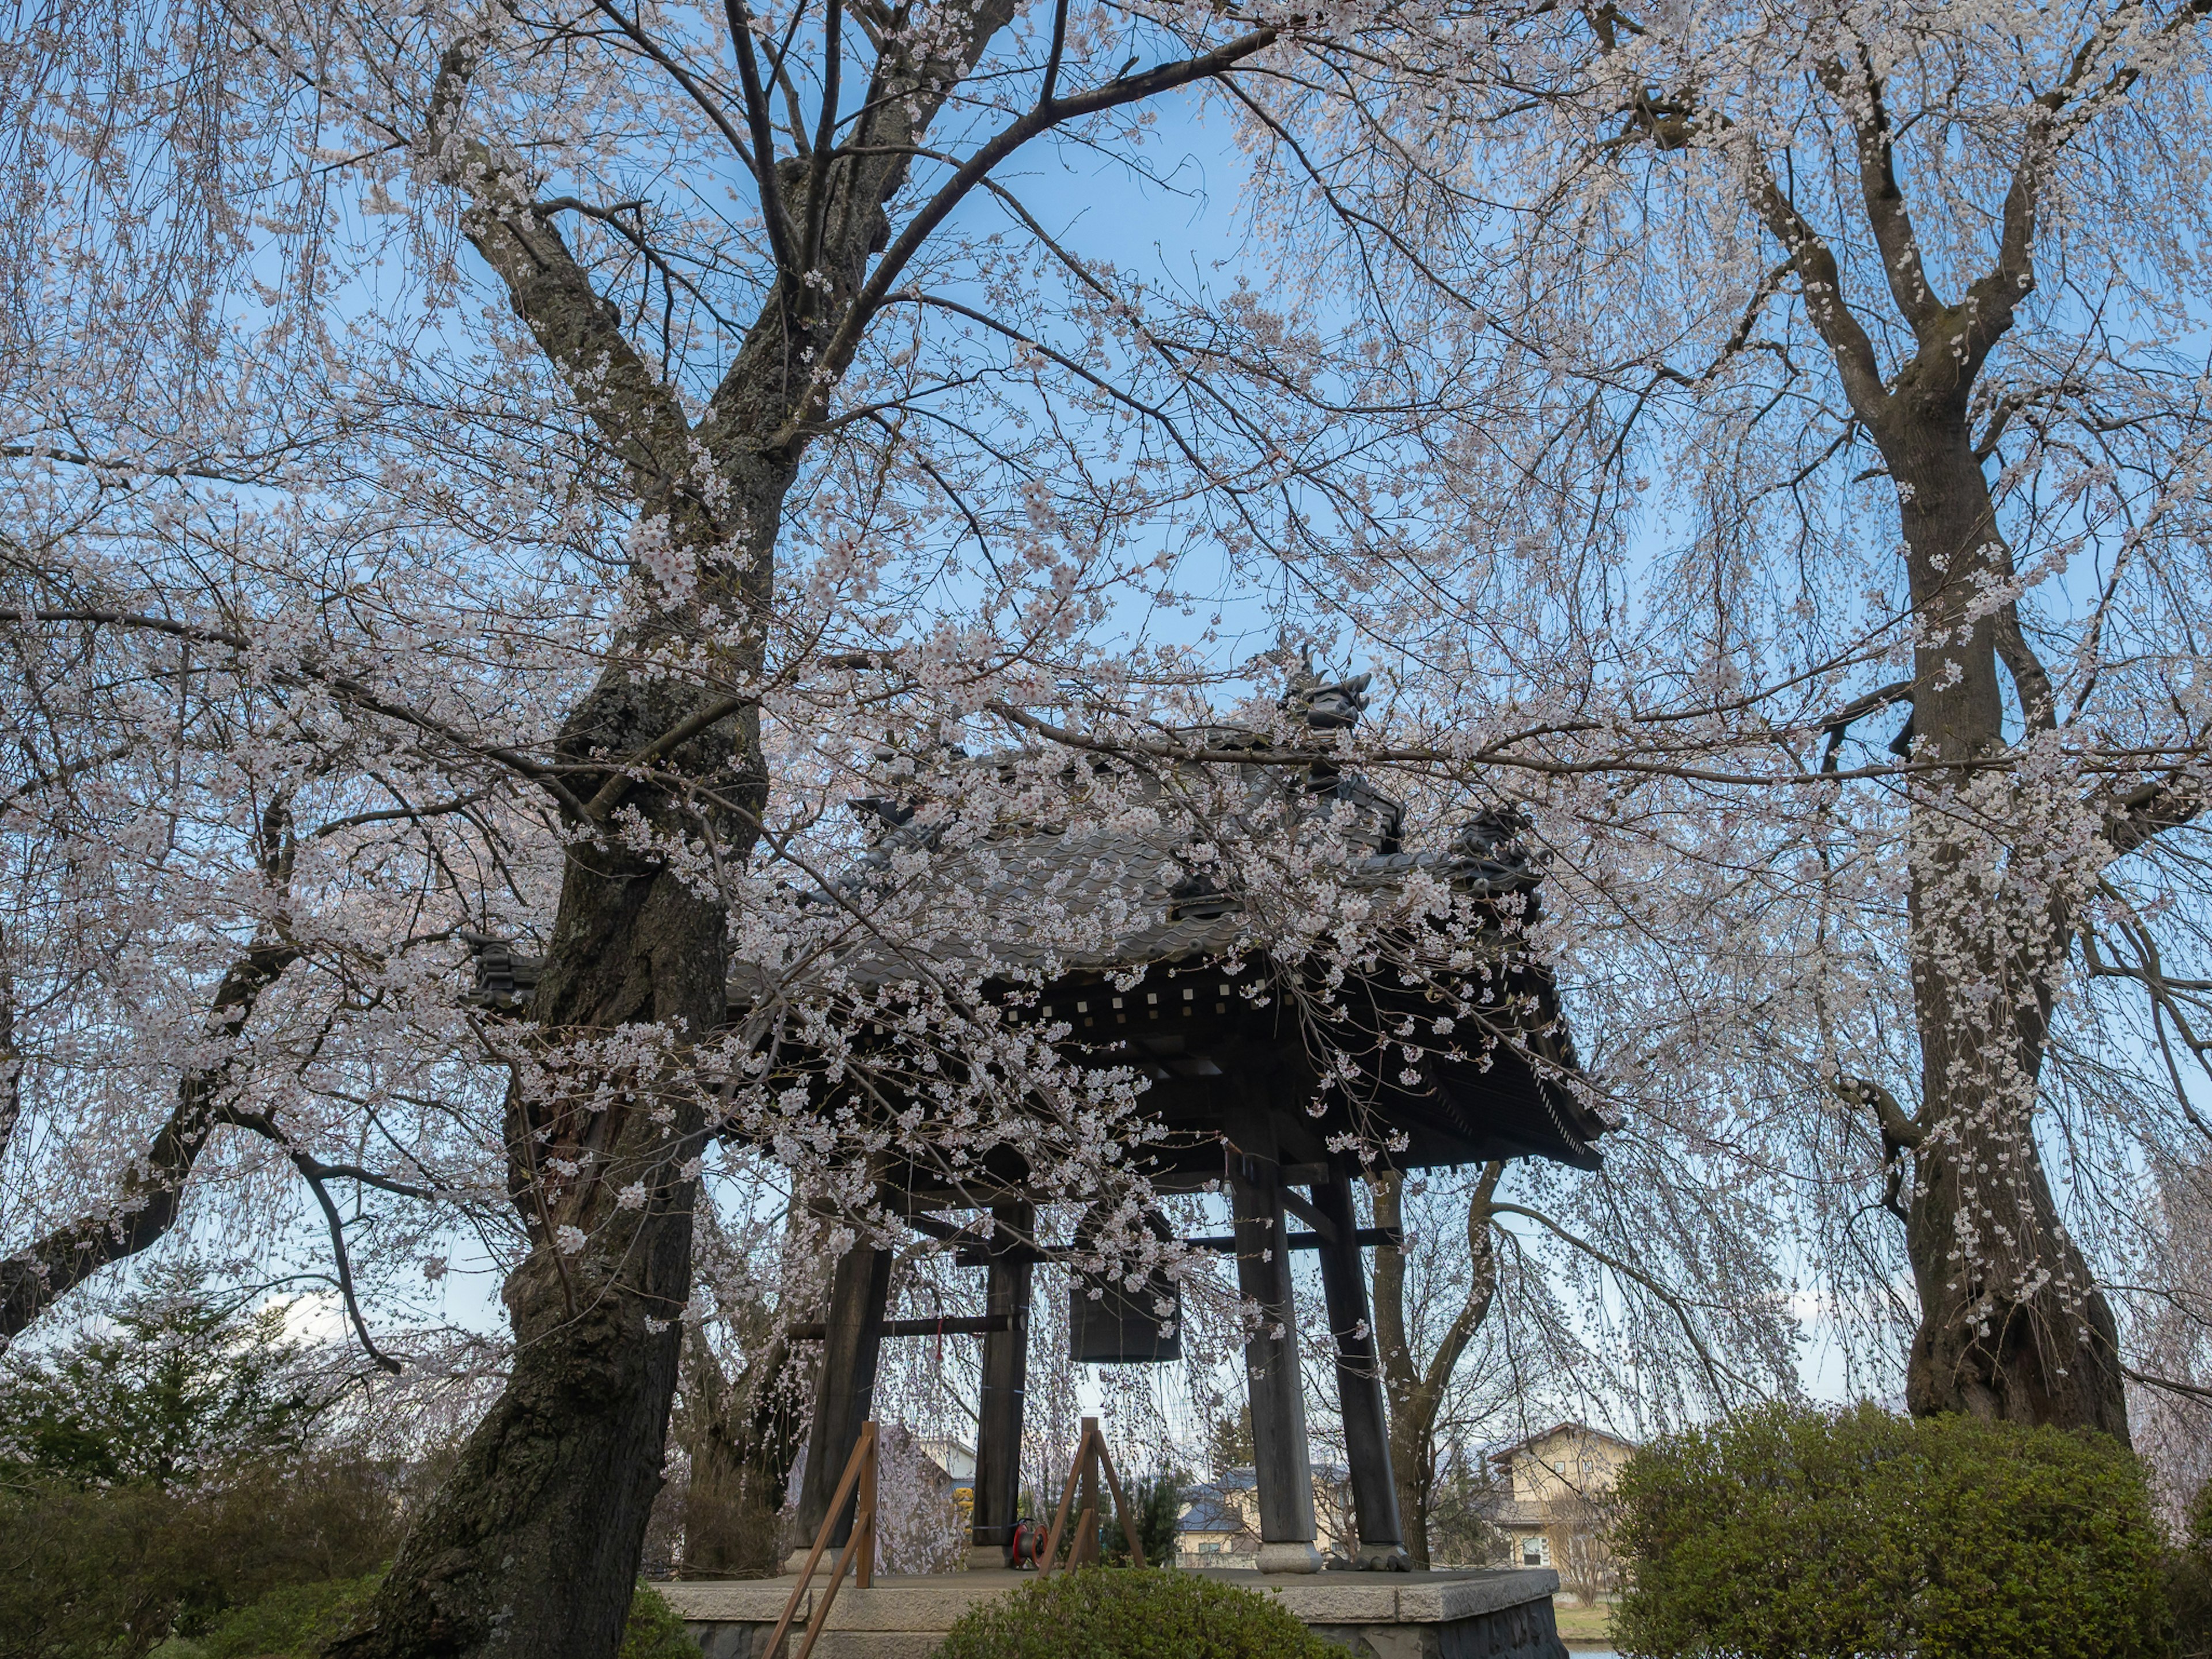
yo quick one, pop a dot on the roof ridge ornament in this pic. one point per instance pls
(1325, 705)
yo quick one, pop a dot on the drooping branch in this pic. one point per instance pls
(34, 1278)
(343, 1261)
(1714, 1370)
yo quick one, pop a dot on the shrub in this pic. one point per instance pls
(110, 1571)
(1156, 1502)
(1797, 1533)
(91, 1574)
(294, 1620)
(1102, 1613)
(654, 1632)
(2189, 1581)
(297, 1621)
(173, 1386)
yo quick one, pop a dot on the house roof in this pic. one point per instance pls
(1504, 1454)
(1043, 910)
(1206, 1508)
(955, 1457)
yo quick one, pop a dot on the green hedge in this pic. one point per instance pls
(1803, 1534)
(2189, 1581)
(110, 1572)
(299, 1620)
(1107, 1612)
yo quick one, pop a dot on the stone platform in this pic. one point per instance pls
(1470, 1613)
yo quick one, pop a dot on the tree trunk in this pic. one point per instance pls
(532, 1547)
(532, 1544)
(1416, 1391)
(742, 1438)
(2011, 1324)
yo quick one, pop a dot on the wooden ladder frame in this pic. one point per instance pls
(860, 1471)
(1090, 1456)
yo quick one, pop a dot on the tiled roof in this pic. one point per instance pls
(1040, 901)
(1206, 1508)
(1052, 901)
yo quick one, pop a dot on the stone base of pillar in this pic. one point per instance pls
(1382, 1557)
(983, 1556)
(1289, 1557)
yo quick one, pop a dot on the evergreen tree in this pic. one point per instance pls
(179, 1382)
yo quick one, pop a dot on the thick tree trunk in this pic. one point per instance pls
(532, 1546)
(2012, 1324)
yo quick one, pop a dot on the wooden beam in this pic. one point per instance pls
(844, 1393)
(963, 1325)
(1362, 1238)
(1005, 1376)
(1359, 1383)
(1282, 1463)
(1324, 1228)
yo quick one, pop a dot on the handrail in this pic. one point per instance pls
(1090, 1456)
(860, 1469)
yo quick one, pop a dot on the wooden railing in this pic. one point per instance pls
(860, 1471)
(1089, 1458)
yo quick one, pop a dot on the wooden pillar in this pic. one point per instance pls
(844, 1394)
(1086, 1551)
(1006, 1377)
(1282, 1464)
(1359, 1375)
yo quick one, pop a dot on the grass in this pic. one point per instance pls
(1591, 1624)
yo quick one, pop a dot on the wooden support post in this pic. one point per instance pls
(1358, 1378)
(844, 1394)
(864, 1508)
(858, 1483)
(1091, 1458)
(1085, 1552)
(1005, 1375)
(1282, 1467)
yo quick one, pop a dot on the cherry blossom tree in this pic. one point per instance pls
(1862, 370)
(488, 486)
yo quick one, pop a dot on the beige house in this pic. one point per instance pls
(1552, 1485)
(1219, 1524)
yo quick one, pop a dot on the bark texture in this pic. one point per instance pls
(2013, 1326)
